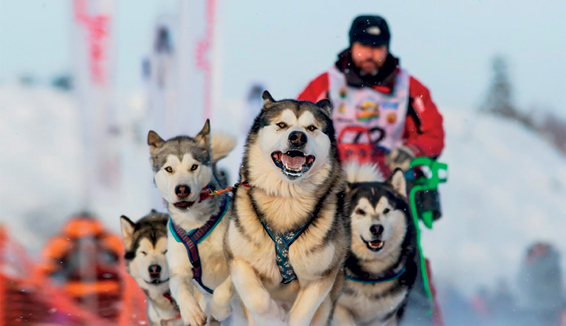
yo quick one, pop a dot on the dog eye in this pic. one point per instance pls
(144, 253)
(360, 212)
(165, 252)
(169, 169)
(311, 128)
(385, 211)
(194, 167)
(282, 125)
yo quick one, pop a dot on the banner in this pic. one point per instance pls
(94, 64)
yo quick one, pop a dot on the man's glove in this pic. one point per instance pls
(400, 157)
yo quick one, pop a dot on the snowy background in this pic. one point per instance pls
(507, 185)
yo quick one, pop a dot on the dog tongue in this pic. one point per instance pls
(295, 163)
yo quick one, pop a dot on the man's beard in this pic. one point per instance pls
(369, 69)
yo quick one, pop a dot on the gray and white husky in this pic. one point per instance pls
(287, 239)
(380, 269)
(145, 243)
(184, 169)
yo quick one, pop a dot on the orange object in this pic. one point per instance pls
(27, 297)
(78, 289)
(82, 226)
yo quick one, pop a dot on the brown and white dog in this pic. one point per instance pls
(380, 269)
(145, 243)
(288, 237)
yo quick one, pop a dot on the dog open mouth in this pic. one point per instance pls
(293, 163)
(374, 245)
(184, 204)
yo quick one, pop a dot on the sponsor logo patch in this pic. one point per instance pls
(390, 105)
(367, 111)
(391, 117)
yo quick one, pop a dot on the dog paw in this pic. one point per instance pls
(194, 316)
(220, 312)
(274, 316)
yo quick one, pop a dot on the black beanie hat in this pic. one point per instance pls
(370, 30)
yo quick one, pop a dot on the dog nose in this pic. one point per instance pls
(182, 191)
(297, 138)
(376, 230)
(154, 271)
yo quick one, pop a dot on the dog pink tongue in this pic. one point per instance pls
(295, 163)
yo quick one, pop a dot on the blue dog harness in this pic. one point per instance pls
(282, 242)
(192, 238)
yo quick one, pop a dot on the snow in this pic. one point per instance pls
(39, 162)
(41, 166)
(506, 188)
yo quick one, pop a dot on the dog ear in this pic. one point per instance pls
(153, 140)
(203, 137)
(351, 186)
(221, 145)
(128, 228)
(267, 98)
(398, 182)
(326, 105)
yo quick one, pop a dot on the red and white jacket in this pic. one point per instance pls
(398, 106)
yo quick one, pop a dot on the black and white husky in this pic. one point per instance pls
(380, 268)
(287, 239)
(184, 172)
(145, 243)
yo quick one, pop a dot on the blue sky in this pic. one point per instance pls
(448, 45)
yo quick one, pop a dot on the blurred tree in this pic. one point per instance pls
(499, 99)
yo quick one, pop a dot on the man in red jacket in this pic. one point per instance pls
(369, 89)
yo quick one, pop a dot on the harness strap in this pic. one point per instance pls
(388, 276)
(168, 296)
(207, 193)
(191, 239)
(282, 242)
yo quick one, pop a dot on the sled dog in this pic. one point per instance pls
(145, 243)
(287, 237)
(380, 268)
(184, 173)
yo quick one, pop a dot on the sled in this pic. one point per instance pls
(361, 148)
